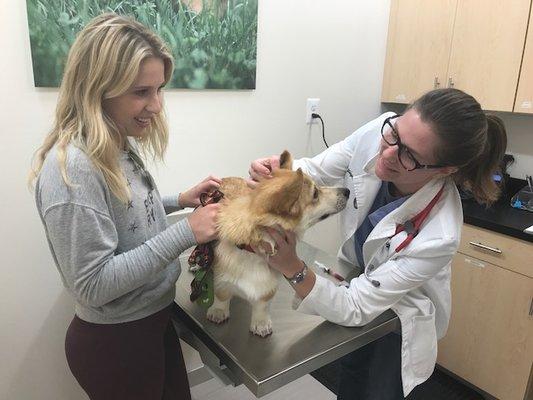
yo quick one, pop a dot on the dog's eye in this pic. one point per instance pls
(315, 194)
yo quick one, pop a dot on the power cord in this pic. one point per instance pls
(314, 116)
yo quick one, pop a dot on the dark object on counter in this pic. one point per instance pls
(501, 217)
(523, 199)
(501, 177)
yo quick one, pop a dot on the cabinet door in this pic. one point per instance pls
(488, 40)
(418, 48)
(524, 95)
(490, 338)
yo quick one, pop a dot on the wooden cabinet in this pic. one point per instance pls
(418, 48)
(489, 342)
(524, 95)
(473, 45)
(502, 250)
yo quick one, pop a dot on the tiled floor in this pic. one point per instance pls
(305, 388)
(439, 387)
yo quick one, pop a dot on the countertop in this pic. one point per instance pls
(500, 217)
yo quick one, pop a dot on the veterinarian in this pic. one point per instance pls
(402, 171)
(105, 220)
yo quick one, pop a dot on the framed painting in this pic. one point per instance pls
(214, 42)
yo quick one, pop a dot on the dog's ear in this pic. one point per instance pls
(285, 201)
(285, 160)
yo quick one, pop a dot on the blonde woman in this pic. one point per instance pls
(105, 220)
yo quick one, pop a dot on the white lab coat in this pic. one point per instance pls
(414, 283)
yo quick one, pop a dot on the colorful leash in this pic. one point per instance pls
(412, 226)
(202, 286)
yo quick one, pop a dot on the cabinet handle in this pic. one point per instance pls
(436, 83)
(450, 82)
(484, 247)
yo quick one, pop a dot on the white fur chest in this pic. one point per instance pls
(246, 274)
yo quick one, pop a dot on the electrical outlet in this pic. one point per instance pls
(312, 107)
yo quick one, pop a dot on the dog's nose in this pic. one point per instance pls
(346, 192)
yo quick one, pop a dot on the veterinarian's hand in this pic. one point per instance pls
(203, 223)
(191, 198)
(285, 260)
(262, 168)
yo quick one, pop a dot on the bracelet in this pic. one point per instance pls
(299, 276)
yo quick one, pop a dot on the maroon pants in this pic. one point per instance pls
(133, 360)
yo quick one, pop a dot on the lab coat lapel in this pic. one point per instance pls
(366, 186)
(411, 207)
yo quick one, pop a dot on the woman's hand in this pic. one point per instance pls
(285, 260)
(262, 168)
(203, 222)
(191, 198)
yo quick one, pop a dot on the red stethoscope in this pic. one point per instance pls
(412, 228)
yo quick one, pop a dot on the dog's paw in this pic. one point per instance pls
(217, 315)
(262, 327)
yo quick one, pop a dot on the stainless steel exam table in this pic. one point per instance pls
(299, 344)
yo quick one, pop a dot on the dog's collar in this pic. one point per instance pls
(246, 247)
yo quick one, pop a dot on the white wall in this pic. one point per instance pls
(331, 49)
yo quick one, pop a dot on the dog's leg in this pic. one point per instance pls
(219, 311)
(261, 324)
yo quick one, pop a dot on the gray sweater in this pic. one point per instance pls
(118, 261)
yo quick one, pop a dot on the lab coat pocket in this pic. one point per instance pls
(424, 345)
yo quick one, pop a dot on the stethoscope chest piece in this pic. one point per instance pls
(409, 227)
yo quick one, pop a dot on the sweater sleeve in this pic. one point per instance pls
(85, 253)
(170, 203)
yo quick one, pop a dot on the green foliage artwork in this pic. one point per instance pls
(213, 41)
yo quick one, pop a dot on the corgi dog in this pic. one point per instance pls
(291, 200)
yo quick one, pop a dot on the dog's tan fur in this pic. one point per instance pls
(291, 200)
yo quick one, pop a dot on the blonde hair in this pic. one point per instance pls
(103, 63)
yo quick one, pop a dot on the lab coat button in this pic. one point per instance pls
(371, 267)
(387, 244)
(376, 283)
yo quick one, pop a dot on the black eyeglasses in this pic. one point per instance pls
(139, 168)
(391, 137)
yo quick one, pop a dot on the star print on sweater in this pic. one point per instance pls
(132, 267)
(149, 207)
(133, 226)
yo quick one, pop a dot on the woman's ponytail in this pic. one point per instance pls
(470, 140)
(478, 175)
